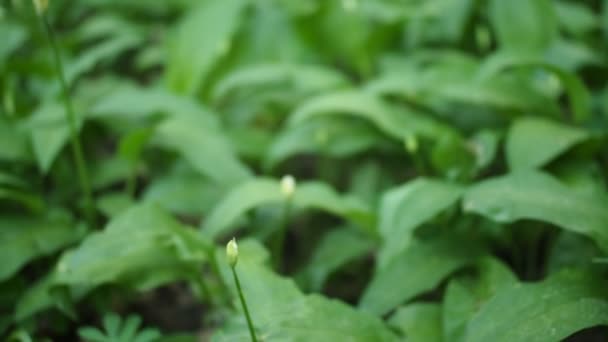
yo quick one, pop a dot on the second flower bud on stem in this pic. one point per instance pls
(232, 254)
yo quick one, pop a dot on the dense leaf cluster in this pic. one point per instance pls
(450, 159)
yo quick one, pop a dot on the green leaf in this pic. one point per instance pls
(292, 316)
(303, 79)
(49, 132)
(576, 18)
(184, 192)
(127, 101)
(454, 158)
(13, 142)
(549, 310)
(113, 203)
(533, 142)
(337, 137)
(465, 295)
(578, 94)
(537, 196)
(142, 247)
(23, 239)
(262, 191)
(336, 248)
(394, 122)
(202, 38)
(419, 322)
(14, 35)
(406, 207)
(418, 269)
(485, 146)
(525, 25)
(204, 147)
(31, 201)
(238, 201)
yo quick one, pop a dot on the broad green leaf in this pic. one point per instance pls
(250, 143)
(238, 201)
(14, 35)
(336, 137)
(454, 158)
(132, 102)
(416, 270)
(49, 133)
(419, 322)
(336, 248)
(291, 315)
(23, 239)
(29, 200)
(578, 94)
(537, 196)
(533, 142)
(547, 311)
(142, 247)
(454, 81)
(303, 79)
(263, 191)
(111, 204)
(184, 192)
(108, 172)
(202, 38)
(576, 18)
(571, 55)
(13, 142)
(525, 25)
(465, 295)
(321, 196)
(104, 51)
(485, 146)
(9, 180)
(204, 147)
(405, 208)
(572, 251)
(395, 122)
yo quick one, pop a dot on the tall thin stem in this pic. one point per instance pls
(71, 118)
(244, 304)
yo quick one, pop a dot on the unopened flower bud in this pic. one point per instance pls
(232, 252)
(288, 186)
(41, 6)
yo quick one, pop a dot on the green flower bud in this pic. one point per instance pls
(232, 252)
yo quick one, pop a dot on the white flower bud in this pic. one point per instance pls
(41, 6)
(232, 252)
(288, 186)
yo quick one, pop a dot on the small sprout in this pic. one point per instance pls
(411, 143)
(41, 6)
(288, 186)
(232, 252)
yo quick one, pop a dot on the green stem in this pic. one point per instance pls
(244, 304)
(71, 118)
(280, 240)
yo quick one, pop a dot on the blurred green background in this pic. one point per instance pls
(449, 155)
